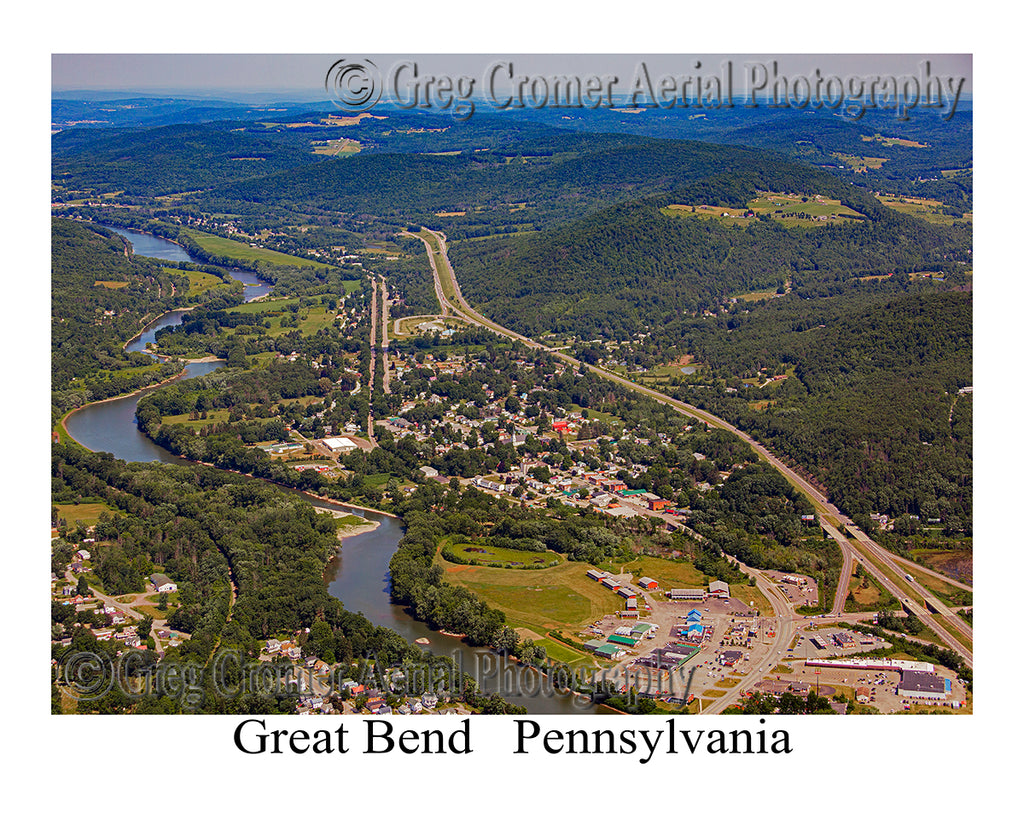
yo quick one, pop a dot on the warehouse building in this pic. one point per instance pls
(923, 685)
(341, 445)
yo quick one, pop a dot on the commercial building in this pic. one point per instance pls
(342, 445)
(163, 583)
(923, 685)
(717, 588)
(687, 594)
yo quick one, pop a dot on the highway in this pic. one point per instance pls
(831, 519)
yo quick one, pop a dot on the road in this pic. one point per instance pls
(384, 334)
(373, 359)
(785, 616)
(829, 516)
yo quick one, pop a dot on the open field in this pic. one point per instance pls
(670, 574)
(561, 597)
(110, 285)
(500, 557)
(337, 147)
(928, 209)
(860, 163)
(87, 514)
(212, 417)
(219, 246)
(890, 141)
(198, 281)
(784, 206)
(310, 319)
(758, 295)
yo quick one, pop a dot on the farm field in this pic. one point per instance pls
(860, 163)
(219, 246)
(785, 206)
(928, 209)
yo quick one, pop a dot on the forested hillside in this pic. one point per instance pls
(871, 409)
(171, 159)
(98, 299)
(633, 268)
(554, 179)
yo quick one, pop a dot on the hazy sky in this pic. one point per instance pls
(303, 75)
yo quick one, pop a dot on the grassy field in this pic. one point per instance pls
(212, 417)
(497, 556)
(561, 597)
(311, 319)
(670, 574)
(928, 209)
(757, 295)
(219, 246)
(110, 285)
(859, 163)
(866, 595)
(198, 282)
(889, 141)
(87, 514)
(783, 206)
(563, 653)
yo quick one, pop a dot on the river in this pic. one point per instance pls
(358, 576)
(145, 244)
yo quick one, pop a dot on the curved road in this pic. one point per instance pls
(831, 519)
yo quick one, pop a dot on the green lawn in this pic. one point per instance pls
(562, 653)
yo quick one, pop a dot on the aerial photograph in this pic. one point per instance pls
(523, 384)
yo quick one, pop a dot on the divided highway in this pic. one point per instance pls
(876, 560)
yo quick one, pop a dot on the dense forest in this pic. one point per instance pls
(632, 268)
(872, 407)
